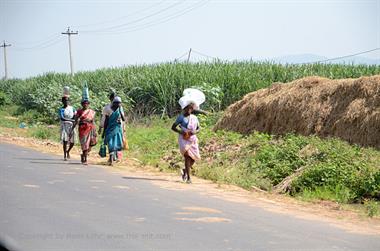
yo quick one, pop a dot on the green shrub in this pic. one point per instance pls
(372, 207)
(279, 159)
(4, 99)
(44, 133)
(338, 193)
(30, 117)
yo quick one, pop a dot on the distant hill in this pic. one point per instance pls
(309, 58)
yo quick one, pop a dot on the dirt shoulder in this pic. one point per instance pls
(344, 217)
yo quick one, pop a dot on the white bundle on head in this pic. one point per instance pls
(66, 91)
(192, 96)
(116, 99)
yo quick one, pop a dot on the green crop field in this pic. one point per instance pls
(155, 89)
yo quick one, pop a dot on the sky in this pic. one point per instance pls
(115, 33)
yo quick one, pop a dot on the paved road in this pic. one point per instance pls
(48, 204)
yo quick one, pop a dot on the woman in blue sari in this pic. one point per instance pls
(114, 130)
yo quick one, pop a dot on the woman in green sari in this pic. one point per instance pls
(114, 130)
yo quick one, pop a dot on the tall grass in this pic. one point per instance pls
(155, 89)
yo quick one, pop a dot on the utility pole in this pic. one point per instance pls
(188, 56)
(4, 45)
(69, 33)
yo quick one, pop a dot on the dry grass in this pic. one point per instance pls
(344, 108)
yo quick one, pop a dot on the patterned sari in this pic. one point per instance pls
(87, 132)
(114, 132)
(190, 146)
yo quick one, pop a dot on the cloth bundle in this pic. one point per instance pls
(66, 92)
(192, 96)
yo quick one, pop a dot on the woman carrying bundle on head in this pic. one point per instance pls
(85, 117)
(188, 128)
(114, 130)
(66, 115)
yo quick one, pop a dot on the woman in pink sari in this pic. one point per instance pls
(87, 130)
(187, 140)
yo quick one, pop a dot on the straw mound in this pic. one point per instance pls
(344, 108)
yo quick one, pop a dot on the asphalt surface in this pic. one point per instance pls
(49, 204)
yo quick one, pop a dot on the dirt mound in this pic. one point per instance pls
(344, 108)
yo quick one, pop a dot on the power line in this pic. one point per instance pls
(188, 54)
(54, 38)
(60, 40)
(53, 43)
(134, 21)
(166, 19)
(43, 45)
(314, 62)
(204, 55)
(37, 42)
(342, 57)
(122, 17)
(160, 21)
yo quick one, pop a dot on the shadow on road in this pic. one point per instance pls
(36, 159)
(140, 178)
(56, 163)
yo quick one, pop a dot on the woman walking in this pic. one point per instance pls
(113, 127)
(66, 115)
(187, 139)
(87, 131)
(188, 128)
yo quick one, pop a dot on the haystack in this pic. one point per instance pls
(344, 108)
